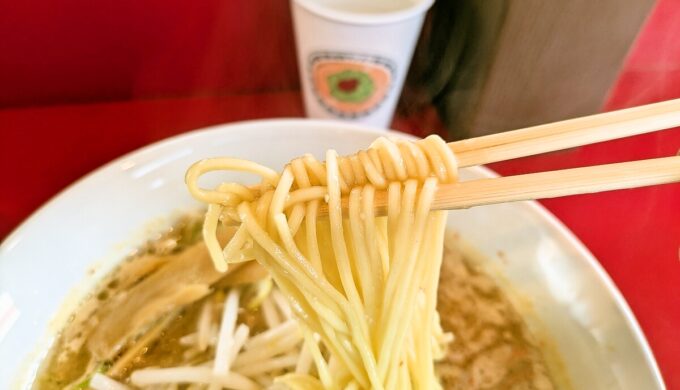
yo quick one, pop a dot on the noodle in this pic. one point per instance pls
(365, 286)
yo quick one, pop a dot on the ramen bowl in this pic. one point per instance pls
(55, 258)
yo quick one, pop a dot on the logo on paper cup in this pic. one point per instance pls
(350, 85)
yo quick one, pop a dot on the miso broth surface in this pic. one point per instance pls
(492, 349)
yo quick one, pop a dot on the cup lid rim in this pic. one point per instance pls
(358, 18)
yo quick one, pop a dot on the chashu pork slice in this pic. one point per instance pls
(177, 280)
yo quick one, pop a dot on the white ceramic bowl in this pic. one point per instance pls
(55, 257)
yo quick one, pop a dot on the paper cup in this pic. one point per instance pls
(353, 55)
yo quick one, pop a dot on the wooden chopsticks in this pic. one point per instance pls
(549, 184)
(552, 137)
(567, 134)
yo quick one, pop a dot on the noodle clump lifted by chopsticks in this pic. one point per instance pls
(362, 287)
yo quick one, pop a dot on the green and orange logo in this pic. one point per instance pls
(349, 85)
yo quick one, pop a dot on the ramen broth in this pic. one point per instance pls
(492, 347)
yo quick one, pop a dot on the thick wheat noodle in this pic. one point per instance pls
(365, 285)
(218, 164)
(288, 242)
(318, 291)
(303, 310)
